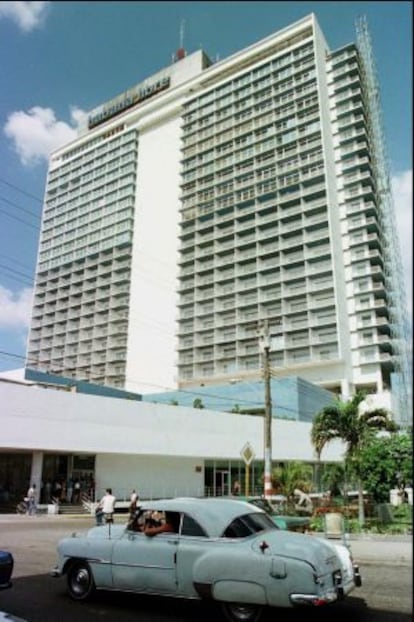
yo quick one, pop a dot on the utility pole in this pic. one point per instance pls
(265, 349)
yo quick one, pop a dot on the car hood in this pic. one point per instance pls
(316, 551)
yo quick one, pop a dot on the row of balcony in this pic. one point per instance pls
(294, 87)
(271, 243)
(216, 352)
(307, 356)
(263, 213)
(112, 313)
(86, 157)
(261, 115)
(65, 360)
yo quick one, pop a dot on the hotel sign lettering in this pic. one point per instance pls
(130, 98)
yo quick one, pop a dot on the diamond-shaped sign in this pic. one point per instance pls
(247, 453)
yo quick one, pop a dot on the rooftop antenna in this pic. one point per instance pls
(181, 53)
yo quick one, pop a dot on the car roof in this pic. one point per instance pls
(213, 513)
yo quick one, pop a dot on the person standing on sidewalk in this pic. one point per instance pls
(31, 500)
(133, 502)
(107, 504)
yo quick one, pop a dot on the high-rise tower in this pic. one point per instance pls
(219, 196)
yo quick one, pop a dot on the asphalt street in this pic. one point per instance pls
(385, 596)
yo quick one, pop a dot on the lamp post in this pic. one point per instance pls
(265, 348)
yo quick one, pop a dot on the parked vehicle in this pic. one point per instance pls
(6, 571)
(222, 549)
(283, 521)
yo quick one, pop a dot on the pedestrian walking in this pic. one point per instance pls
(31, 500)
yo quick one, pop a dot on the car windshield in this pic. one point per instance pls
(248, 524)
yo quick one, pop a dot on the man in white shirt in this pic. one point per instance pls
(107, 504)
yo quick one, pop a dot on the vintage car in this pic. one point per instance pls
(222, 549)
(6, 569)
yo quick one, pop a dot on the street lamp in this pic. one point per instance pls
(265, 348)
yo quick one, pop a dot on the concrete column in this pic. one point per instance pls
(36, 472)
(345, 389)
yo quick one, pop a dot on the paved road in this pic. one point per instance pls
(386, 594)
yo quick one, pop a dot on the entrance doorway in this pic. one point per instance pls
(222, 483)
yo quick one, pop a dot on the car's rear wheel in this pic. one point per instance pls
(240, 612)
(80, 581)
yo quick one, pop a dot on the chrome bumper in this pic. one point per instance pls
(337, 593)
(314, 600)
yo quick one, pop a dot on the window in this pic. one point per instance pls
(191, 527)
(246, 525)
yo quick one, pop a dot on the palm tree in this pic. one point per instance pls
(344, 421)
(333, 479)
(293, 475)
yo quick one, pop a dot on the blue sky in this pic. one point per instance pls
(61, 59)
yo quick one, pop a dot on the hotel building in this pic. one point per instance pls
(215, 205)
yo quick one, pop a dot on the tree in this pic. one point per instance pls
(387, 464)
(197, 403)
(333, 479)
(292, 476)
(344, 421)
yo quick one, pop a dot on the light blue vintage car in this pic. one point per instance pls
(221, 549)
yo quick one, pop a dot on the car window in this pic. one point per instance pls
(248, 524)
(191, 527)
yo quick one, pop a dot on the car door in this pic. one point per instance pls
(145, 564)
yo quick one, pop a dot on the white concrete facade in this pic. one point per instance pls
(158, 449)
(153, 290)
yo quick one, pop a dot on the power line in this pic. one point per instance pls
(27, 276)
(19, 219)
(172, 390)
(7, 183)
(15, 261)
(19, 207)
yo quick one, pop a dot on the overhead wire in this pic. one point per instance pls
(176, 392)
(32, 196)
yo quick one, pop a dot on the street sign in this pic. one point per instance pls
(247, 453)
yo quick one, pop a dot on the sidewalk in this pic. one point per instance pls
(392, 550)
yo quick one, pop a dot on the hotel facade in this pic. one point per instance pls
(217, 205)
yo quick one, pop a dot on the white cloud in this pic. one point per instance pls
(37, 132)
(27, 15)
(15, 308)
(402, 186)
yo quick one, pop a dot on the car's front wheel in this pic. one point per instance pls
(240, 612)
(80, 581)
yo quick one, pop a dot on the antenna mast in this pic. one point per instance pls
(182, 24)
(181, 53)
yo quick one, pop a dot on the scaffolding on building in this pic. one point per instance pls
(400, 329)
